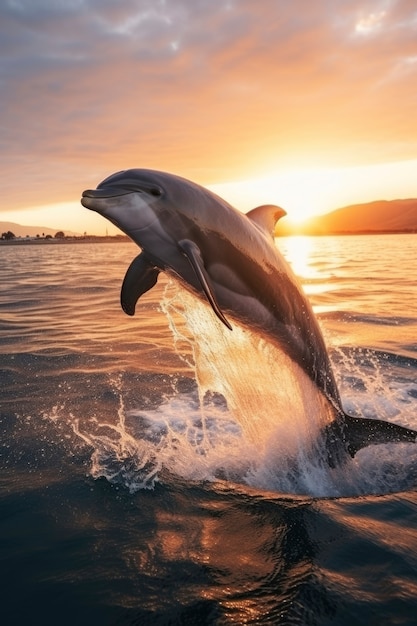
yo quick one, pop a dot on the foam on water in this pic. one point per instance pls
(253, 419)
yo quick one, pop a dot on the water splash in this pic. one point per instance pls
(117, 455)
(277, 409)
(252, 419)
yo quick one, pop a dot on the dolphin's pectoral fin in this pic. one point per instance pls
(360, 432)
(139, 278)
(193, 254)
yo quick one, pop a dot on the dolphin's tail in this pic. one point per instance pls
(360, 432)
(357, 433)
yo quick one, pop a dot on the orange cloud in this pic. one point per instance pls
(214, 91)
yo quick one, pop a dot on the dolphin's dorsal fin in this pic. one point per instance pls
(193, 254)
(141, 276)
(266, 216)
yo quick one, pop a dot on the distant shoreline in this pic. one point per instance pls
(25, 241)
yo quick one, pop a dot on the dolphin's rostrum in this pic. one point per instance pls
(231, 260)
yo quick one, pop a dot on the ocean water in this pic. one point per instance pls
(146, 477)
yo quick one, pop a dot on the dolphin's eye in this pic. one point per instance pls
(150, 189)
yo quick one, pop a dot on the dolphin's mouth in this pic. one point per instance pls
(106, 192)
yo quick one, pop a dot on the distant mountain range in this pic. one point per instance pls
(392, 216)
(32, 231)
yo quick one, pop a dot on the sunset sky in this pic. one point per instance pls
(308, 104)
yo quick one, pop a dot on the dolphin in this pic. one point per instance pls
(230, 259)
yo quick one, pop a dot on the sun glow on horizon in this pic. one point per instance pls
(308, 192)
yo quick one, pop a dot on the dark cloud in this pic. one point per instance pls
(212, 89)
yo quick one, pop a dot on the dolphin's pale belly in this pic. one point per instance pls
(246, 307)
(224, 277)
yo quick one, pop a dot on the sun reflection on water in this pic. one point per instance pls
(305, 259)
(298, 252)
